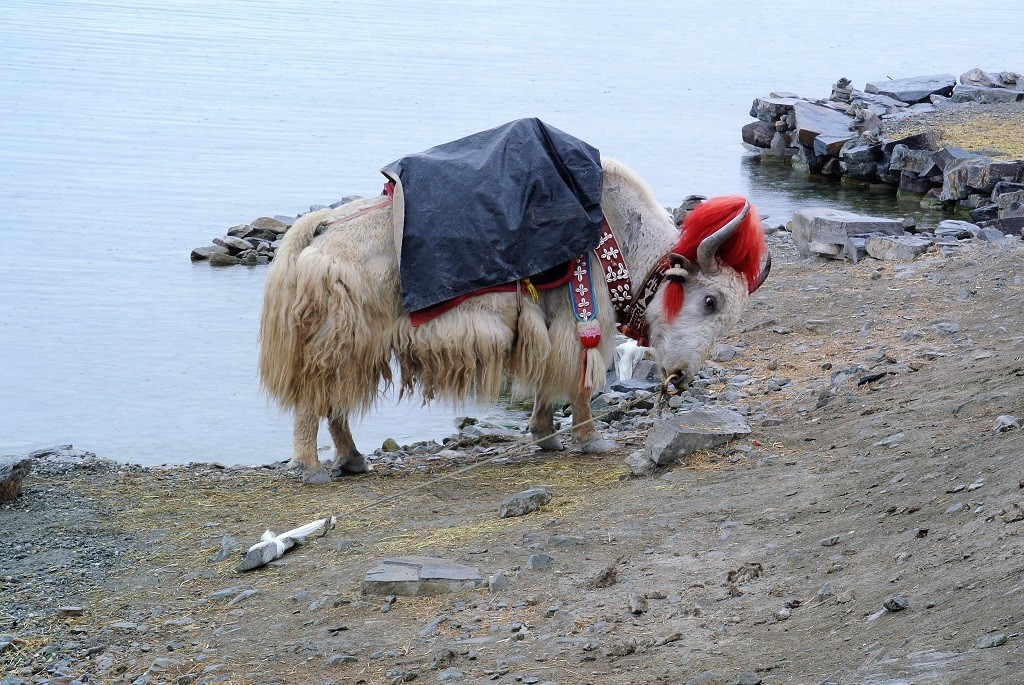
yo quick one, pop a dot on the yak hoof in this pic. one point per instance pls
(597, 446)
(354, 464)
(551, 443)
(317, 476)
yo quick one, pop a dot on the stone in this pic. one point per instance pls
(919, 162)
(1003, 187)
(235, 245)
(895, 603)
(218, 259)
(990, 235)
(912, 184)
(815, 227)
(748, 678)
(984, 96)
(990, 641)
(925, 140)
(450, 675)
(830, 541)
(953, 153)
(640, 464)
(988, 213)
(954, 228)
(758, 133)
(389, 445)
(915, 89)
(1006, 423)
(420, 576)
(676, 438)
(200, 254)
(561, 541)
(633, 384)
(814, 120)
(1011, 204)
(12, 471)
(497, 583)
(537, 562)
(339, 659)
(636, 603)
(857, 152)
(771, 109)
(1009, 226)
(977, 174)
(525, 502)
(269, 223)
(228, 546)
(832, 144)
(901, 248)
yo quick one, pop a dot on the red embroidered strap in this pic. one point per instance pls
(635, 323)
(616, 275)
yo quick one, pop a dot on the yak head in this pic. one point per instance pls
(713, 269)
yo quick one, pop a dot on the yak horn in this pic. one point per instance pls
(709, 246)
(764, 273)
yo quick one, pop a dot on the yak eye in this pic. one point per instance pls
(710, 304)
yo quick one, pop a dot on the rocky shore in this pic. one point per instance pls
(955, 143)
(864, 523)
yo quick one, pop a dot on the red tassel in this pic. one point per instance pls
(673, 301)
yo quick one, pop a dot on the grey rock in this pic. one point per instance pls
(991, 235)
(831, 144)
(977, 174)
(706, 678)
(13, 470)
(640, 463)
(915, 89)
(200, 254)
(431, 628)
(561, 541)
(954, 508)
(920, 162)
(1009, 225)
(913, 184)
(830, 541)
(634, 384)
(450, 675)
(497, 583)
(218, 259)
(748, 678)
(1010, 204)
(895, 603)
(242, 596)
(676, 438)
(636, 603)
(1006, 423)
(339, 659)
(772, 108)
(269, 223)
(814, 120)
(822, 230)
(954, 228)
(525, 502)
(825, 591)
(234, 244)
(981, 78)
(990, 641)
(228, 546)
(417, 576)
(536, 562)
(758, 133)
(984, 96)
(952, 153)
(901, 248)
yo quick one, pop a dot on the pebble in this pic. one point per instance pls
(896, 603)
(637, 603)
(525, 502)
(990, 641)
(748, 678)
(449, 675)
(1006, 423)
(536, 562)
(830, 541)
(497, 583)
(338, 659)
(953, 508)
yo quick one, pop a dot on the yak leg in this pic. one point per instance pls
(347, 459)
(305, 459)
(542, 424)
(590, 439)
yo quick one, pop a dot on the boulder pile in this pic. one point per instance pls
(256, 242)
(845, 136)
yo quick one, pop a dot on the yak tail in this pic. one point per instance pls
(323, 332)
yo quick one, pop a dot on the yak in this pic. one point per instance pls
(333, 329)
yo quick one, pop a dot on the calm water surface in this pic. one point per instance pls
(132, 131)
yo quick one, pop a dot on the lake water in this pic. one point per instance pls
(134, 130)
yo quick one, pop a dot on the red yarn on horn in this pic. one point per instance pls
(743, 252)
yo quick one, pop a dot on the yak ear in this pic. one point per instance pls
(679, 269)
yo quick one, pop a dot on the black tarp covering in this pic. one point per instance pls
(493, 208)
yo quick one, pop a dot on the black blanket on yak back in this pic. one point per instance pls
(493, 208)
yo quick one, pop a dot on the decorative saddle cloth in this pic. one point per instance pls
(491, 209)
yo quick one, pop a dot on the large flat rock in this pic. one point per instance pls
(814, 120)
(915, 89)
(823, 230)
(417, 576)
(676, 438)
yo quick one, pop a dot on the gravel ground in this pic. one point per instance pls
(870, 530)
(995, 130)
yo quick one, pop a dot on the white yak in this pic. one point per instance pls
(333, 322)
